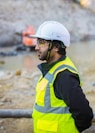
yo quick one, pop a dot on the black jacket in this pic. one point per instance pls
(67, 87)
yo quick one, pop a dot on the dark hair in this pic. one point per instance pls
(60, 46)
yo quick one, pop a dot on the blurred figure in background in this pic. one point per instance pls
(28, 43)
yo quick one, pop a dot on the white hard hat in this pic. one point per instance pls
(52, 30)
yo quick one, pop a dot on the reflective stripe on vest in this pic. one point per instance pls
(47, 103)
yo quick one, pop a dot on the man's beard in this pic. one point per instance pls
(44, 56)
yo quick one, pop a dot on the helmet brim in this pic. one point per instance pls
(37, 36)
(33, 36)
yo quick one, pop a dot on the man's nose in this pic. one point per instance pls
(36, 47)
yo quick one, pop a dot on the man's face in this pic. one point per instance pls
(42, 48)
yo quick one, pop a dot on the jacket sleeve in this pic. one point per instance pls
(67, 87)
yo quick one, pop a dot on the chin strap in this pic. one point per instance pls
(49, 50)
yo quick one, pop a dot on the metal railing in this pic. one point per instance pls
(19, 113)
(15, 113)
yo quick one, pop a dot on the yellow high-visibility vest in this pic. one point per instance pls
(50, 114)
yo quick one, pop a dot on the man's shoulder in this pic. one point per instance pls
(68, 74)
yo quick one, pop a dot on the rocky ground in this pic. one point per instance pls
(18, 78)
(15, 15)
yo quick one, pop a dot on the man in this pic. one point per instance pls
(60, 104)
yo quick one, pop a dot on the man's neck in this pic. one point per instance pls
(52, 60)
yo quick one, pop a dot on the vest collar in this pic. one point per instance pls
(45, 67)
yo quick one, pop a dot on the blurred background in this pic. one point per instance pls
(18, 59)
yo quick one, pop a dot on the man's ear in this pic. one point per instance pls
(56, 49)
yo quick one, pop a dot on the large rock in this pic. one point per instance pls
(15, 15)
